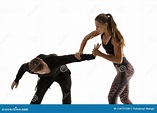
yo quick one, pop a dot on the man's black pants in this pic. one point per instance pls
(63, 79)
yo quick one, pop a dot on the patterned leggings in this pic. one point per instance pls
(120, 85)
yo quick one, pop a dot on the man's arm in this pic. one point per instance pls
(21, 71)
(66, 59)
(19, 75)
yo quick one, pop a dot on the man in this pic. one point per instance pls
(50, 68)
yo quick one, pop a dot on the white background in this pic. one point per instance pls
(31, 27)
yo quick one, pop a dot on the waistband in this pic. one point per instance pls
(125, 61)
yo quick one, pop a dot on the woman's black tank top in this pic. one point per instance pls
(108, 47)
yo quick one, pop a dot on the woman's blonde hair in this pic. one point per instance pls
(112, 26)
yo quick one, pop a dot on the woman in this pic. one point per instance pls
(113, 43)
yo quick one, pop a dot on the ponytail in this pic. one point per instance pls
(112, 26)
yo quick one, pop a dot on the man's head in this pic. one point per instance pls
(36, 65)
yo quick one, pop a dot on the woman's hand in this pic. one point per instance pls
(78, 55)
(95, 51)
(14, 84)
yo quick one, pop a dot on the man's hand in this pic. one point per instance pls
(14, 84)
(95, 51)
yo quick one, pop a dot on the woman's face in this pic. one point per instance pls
(101, 28)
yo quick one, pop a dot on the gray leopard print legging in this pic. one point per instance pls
(120, 85)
